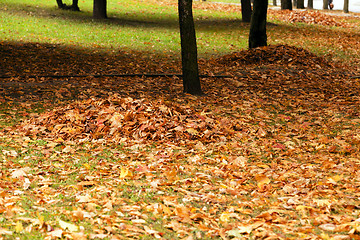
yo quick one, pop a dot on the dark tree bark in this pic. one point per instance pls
(346, 6)
(73, 7)
(300, 4)
(246, 10)
(99, 9)
(60, 4)
(286, 5)
(310, 4)
(325, 4)
(190, 70)
(257, 36)
(274, 3)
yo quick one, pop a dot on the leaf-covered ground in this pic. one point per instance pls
(271, 152)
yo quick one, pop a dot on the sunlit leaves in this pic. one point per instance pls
(68, 226)
(271, 152)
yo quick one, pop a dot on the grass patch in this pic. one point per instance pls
(151, 28)
(132, 25)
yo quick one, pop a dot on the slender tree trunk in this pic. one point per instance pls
(99, 9)
(274, 3)
(75, 5)
(190, 70)
(346, 6)
(286, 5)
(310, 4)
(257, 36)
(325, 4)
(300, 4)
(246, 10)
(60, 4)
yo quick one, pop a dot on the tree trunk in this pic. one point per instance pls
(274, 3)
(346, 6)
(325, 4)
(60, 4)
(75, 5)
(310, 4)
(286, 5)
(190, 70)
(99, 9)
(300, 4)
(246, 10)
(257, 36)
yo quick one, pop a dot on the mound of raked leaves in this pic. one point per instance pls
(122, 119)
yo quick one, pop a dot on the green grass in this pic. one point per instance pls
(152, 28)
(131, 25)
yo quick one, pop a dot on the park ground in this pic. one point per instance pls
(271, 151)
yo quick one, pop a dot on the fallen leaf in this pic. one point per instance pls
(68, 226)
(262, 180)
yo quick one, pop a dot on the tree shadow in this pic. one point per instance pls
(143, 20)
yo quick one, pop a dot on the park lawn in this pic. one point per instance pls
(152, 27)
(271, 151)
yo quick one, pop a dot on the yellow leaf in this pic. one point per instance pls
(304, 209)
(87, 166)
(301, 208)
(166, 210)
(334, 179)
(324, 236)
(192, 131)
(124, 172)
(244, 210)
(322, 202)
(59, 140)
(225, 217)
(263, 165)
(41, 219)
(262, 180)
(171, 175)
(19, 227)
(71, 227)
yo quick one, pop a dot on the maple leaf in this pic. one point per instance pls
(125, 172)
(262, 180)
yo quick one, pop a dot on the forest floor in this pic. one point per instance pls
(270, 152)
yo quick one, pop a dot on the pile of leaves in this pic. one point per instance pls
(275, 54)
(311, 17)
(122, 119)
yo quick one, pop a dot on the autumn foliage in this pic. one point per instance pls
(270, 152)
